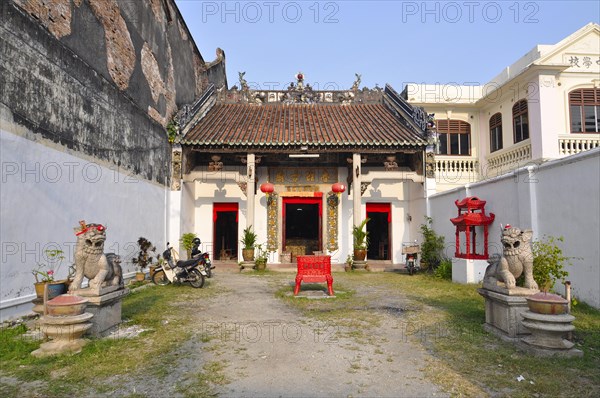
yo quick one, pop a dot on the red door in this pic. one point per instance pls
(225, 230)
(379, 230)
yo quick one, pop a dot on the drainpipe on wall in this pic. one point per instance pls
(533, 208)
(167, 189)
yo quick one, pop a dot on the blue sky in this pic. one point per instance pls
(385, 41)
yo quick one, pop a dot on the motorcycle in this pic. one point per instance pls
(206, 264)
(180, 271)
(411, 251)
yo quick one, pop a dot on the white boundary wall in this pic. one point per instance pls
(45, 191)
(557, 198)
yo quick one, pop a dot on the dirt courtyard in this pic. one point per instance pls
(269, 349)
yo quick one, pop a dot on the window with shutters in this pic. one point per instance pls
(496, 132)
(520, 121)
(584, 106)
(454, 137)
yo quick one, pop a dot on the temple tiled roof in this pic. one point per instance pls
(318, 126)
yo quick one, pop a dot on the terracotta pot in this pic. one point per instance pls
(261, 265)
(360, 254)
(248, 254)
(66, 305)
(55, 289)
(140, 276)
(547, 303)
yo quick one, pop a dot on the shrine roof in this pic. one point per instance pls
(473, 219)
(367, 119)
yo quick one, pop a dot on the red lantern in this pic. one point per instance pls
(267, 188)
(338, 187)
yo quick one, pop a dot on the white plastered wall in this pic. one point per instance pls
(558, 198)
(45, 192)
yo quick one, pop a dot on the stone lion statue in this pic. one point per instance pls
(90, 261)
(517, 259)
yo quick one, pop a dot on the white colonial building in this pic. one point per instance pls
(544, 106)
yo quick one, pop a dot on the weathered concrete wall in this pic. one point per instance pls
(142, 47)
(558, 198)
(68, 68)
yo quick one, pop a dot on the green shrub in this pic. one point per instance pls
(444, 270)
(248, 238)
(549, 262)
(432, 246)
(187, 242)
(361, 235)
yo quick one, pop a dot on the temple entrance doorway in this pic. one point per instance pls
(225, 220)
(379, 230)
(302, 225)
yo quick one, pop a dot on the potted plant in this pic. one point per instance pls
(432, 246)
(187, 242)
(349, 262)
(361, 240)
(45, 272)
(548, 267)
(262, 256)
(144, 257)
(248, 240)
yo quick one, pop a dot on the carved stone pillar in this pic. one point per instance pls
(333, 201)
(356, 188)
(272, 213)
(430, 183)
(176, 161)
(250, 179)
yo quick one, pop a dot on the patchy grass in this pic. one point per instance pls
(448, 321)
(347, 312)
(161, 310)
(200, 385)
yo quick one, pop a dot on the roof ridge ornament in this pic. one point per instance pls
(243, 82)
(300, 93)
(356, 83)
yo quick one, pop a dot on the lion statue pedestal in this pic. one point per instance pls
(106, 290)
(504, 301)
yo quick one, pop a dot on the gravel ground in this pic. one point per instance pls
(270, 350)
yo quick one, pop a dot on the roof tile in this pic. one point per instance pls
(315, 125)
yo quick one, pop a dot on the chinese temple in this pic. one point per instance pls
(302, 147)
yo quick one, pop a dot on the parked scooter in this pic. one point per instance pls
(411, 250)
(191, 271)
(204, 257)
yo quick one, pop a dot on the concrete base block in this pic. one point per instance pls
(503, 313)
(358, 265)
(468, 271)
(246, 265)
(548, 352)
(106, 310)
(547, 335)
